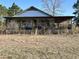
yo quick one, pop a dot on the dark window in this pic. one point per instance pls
(26, 26)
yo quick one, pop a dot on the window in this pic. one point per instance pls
(26, 26)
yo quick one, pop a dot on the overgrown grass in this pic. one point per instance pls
(39, 47)
(38, 53)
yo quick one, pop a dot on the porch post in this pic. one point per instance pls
(5, 26)
(58, 25)
(19, 27)
(36, 29)
(49, 31)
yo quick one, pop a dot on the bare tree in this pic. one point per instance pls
(52, 6)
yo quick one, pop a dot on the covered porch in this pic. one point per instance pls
(36, 25)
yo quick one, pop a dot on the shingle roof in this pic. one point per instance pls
(33, 12)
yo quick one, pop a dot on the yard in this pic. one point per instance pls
(39, 46)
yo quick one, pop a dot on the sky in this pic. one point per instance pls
(66, 5)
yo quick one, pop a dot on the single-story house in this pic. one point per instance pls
(35, 21)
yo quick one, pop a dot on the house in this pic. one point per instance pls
(35, 21)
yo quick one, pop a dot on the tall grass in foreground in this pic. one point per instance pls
(39, 47)
(38, 53)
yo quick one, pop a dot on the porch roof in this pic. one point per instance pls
(57, 19)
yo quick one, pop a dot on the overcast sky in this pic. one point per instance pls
(66, 5)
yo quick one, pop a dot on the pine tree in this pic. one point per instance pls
(76, 7)
(13, 10)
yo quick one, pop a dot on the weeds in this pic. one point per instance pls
(60, 47)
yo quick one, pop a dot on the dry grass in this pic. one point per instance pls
(39, 47)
